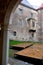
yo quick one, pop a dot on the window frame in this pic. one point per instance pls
(33, 24)
(20, 11)
(31, 14)
(20, 22)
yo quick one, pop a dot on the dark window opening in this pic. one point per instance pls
(14, 33)
(32, 34)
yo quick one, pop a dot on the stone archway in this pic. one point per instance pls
(12, 4)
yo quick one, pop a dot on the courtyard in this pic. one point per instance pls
(29, 53)
(25, 34)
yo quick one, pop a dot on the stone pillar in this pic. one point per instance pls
(4, 46)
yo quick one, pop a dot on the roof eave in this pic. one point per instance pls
(27, 6)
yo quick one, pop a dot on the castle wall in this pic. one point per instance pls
(22, 30)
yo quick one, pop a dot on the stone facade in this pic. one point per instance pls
(40, 24)
(23, 24)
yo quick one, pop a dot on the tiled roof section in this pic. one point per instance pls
(25, 2)
(41, 7)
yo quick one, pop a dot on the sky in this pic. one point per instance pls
(35, 2)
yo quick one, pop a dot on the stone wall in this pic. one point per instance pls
(23, 30)
(40, 23)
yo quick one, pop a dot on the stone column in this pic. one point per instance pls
(5, 46)
(5, 40)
